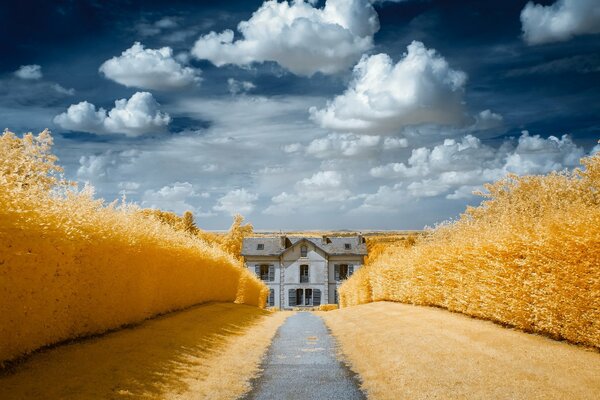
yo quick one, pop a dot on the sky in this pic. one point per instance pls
(337, 114)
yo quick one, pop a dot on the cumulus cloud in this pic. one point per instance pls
(321, 188)
(236, 86)
(298, 36)
(128, 187)
(383, 97)
(560, 21)
(336, 145)
(238, 201)
(96, 168)
(32, 71)
(63, 90)
(134, 117)
(456, 167)
(156, 27)
(178, 197)
(292, 148)
(149, 69)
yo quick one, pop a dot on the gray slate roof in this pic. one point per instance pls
(276, 245)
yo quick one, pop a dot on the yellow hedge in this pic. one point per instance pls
(72, 266)
(529, 256)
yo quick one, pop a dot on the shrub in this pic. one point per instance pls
(71, 265)
(528, 256)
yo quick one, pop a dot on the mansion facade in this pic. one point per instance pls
(303, 271)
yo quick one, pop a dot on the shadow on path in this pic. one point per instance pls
(302, 364)
(142, 361)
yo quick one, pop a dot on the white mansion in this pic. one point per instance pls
(303, 271)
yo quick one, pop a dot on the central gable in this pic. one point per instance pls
(306, 242)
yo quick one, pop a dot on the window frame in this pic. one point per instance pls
(262, 275)
(307, 275)
(260, 246)
(308, 297)
(304, 251)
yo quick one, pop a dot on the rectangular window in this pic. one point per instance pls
(299, 297)
(347, 246)
(304, 274)
(260, 246)
(303, 251)
(308, 297)
(264, 272)
(271, 300)
(343, 274)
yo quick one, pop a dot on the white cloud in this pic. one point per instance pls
(238, 201)
(385, 199)
(100, 167)
(156, 27)
(321, 190)
(487, 119)
(178, 197)
(134, 117)
(384, 97)
(344, 145)
(128, 187)
(391, 143)
(456, 168)
(149, 69)
(236, 86)
(32, 71)
(535, 155)
(298, 36)
(559, 21)
(292, 148)
(210, 167)
(62, 90)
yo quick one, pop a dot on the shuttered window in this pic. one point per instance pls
(271, 273)
(304, 274)
(303, 251)
(264, 272)
(271, 297)
(308, 297)
(343, 271)
(316, 297)
(292, 297)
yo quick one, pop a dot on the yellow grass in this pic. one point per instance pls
(71, 265)
(410, 352)
(208, 351)
(528, 257)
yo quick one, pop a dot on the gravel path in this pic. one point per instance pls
(301, 364)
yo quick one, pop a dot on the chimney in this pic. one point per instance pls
(324, 239)
(359, 238)
(282, 241)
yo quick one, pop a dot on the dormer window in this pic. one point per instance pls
(303, 251)
(347, 246)
(260, 246)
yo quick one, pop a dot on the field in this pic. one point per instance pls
(414, 352)
(526, 257)
(184, 355)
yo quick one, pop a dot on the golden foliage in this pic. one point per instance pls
(328, 307)
(184, 355)
(528, 256)
(402, 351)
(71, 265)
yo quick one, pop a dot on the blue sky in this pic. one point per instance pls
(337, 114)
